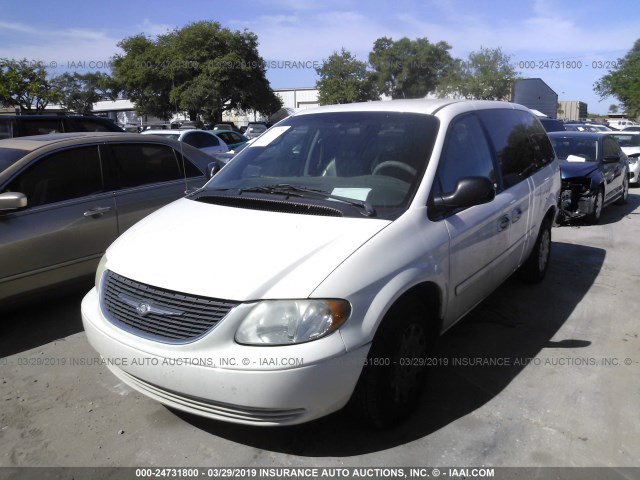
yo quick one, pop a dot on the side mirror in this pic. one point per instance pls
(469, 191)
(612, 159)
(12, 201)
(212, 169)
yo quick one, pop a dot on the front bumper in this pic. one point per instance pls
(240, 384)
(575, 200)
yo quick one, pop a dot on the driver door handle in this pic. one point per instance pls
(503, 223)
(96, 211)
(516, 214)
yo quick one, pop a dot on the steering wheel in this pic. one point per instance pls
(396, 165)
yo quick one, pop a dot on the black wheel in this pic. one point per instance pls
(393, 378)
(625, 191)
(594, 216)
(534, 269)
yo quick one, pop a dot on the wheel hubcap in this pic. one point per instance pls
(545, 249)
(598, 205)
(406, 373)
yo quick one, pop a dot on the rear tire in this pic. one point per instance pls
(536, 266)
(392, 380)
(625, 191)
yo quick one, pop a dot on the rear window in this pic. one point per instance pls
(32, 126)
(88, 125)
(627, 140)
(551, 125)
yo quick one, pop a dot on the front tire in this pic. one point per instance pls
(392, 381)
(536, 266)
(594, 217)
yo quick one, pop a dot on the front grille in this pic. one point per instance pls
(157, 313)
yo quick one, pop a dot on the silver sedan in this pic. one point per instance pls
(64, 198)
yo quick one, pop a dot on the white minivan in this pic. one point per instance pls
(318, 267)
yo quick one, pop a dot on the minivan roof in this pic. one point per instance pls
(421, 105)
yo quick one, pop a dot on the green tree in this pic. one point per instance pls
(78, 92)
(623, 82)
(345, 79)
(409, 68)
(487, 75)
(613, 108)
(202, 68)
(25, 85)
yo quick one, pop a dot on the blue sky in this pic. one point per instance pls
(577, 37)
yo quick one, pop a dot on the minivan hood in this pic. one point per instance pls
(577, 169)
(235, 253)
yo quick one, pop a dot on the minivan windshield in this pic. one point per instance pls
(377, 158)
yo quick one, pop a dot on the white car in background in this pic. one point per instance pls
(199, 139)
(630, 144)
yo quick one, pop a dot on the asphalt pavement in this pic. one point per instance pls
(543, 375)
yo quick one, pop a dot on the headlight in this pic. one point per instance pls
(100, 270)
(287, 322)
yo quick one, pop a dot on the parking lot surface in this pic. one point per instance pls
(543, 375)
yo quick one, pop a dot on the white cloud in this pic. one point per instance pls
(59, 46)
(152, 29)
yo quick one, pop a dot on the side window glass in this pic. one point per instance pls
(225, 137)
(41, 127)
(190, 169)
(610, 147)
(5, 129)
(61, 176)
(513, 134)
(83, 125)
(201, 140)
(466, 153)
(142, 164)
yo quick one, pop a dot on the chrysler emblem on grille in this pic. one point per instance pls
(145, 308)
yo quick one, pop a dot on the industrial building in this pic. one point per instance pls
(572, 110)
(537, 95)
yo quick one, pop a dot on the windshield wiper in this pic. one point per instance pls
(299, 191)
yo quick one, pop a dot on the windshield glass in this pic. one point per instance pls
(377, 157)
(575, 149)
(627, 140)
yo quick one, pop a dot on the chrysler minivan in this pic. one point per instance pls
(317, 268)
